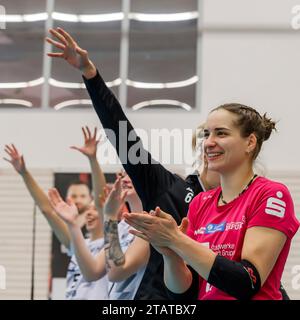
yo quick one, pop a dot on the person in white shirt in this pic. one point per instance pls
(77, 287)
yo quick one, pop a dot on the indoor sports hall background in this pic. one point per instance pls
(169, 62)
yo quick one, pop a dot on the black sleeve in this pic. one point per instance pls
(238, 279)
(149, 177)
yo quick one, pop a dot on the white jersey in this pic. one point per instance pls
(80, 289)
(126, 289)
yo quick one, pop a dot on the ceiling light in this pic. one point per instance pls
(65, 17)
(105, 17)
(176, 103)
(168, 17)
(17, 85)
(80, 85)
(21, 102)
(69, 103)
(166, 85)
(11, 18)
(35, 17)
(116, 16)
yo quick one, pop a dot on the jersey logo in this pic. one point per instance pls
(275, 206)
(199, 231)
(212, 228)
(252, 276)
(189, 196)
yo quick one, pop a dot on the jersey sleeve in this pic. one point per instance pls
(274, 209)
(148, 176)
(193, 209)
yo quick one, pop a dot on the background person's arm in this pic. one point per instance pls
(89, 149)
(58, 226)
(92, 268)
(121, 265)
(148, 176)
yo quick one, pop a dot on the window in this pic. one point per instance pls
(148, 62)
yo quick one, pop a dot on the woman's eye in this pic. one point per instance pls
(221, 133)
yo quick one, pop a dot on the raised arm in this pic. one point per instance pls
(71, 52)
(121, 265)
(92, 268)
(142, 169)
(89, 149)
(39, 196)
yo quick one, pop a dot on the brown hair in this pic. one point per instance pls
(250, 121)
(79, 183)
(197, 134)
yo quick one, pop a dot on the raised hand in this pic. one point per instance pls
(114, 201)
(71, 52)
(66, 210)
(89, 148)
(16, 159)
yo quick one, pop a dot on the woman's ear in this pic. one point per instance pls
(252, 141)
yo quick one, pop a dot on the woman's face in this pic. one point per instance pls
(92, 219)
(224, 147)
(127, 185)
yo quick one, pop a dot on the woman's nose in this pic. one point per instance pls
(209, 141)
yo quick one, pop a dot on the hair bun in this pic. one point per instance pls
(269, 126)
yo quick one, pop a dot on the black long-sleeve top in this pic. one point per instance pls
(154, 184)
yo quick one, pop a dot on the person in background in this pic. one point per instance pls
(79, 193)
(124, 257)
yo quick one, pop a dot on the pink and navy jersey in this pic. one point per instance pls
(222, 228)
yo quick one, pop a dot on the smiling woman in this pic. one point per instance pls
(233, 135)
(246, 224)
